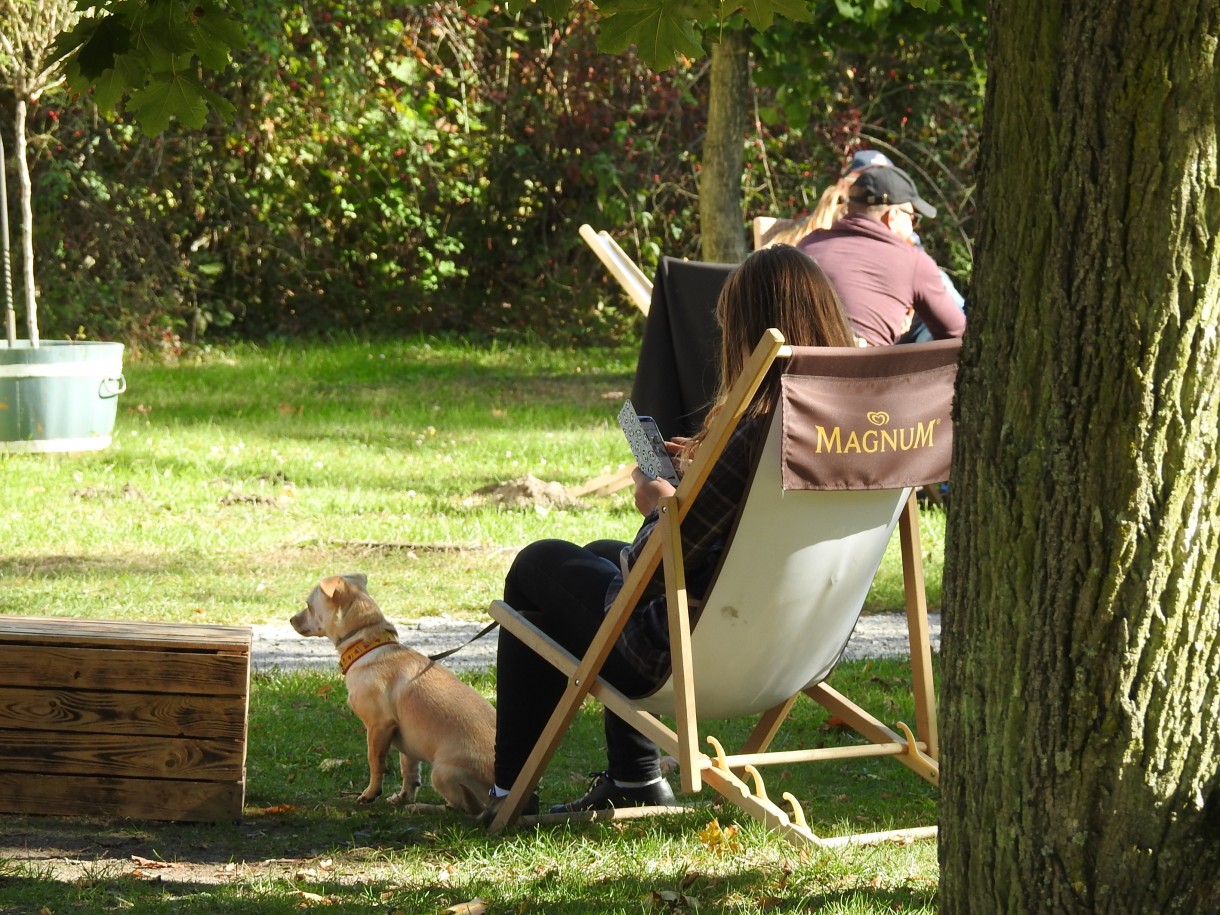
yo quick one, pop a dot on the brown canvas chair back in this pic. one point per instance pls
(817, 520)
(877, 419)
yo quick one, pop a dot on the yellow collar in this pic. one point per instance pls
(354, 653)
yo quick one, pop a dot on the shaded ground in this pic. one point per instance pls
(264, 845)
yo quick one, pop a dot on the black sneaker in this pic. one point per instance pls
(605, 794)
(495, 803)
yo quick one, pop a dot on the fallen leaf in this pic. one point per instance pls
(279, 808)
(329, 765)
(149, 862)
(670, 901)
(324, 689)
(474, 907)
(720, 840)
(315, 898)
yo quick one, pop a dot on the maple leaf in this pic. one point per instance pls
(720, 840)
(659, 29)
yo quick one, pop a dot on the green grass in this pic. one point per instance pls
(237, 481)
(305, 842)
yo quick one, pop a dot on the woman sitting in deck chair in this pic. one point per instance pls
(565, 589)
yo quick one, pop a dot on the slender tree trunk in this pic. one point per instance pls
(27, 226)
(723, 160)
(6, 266)
(1081, 643)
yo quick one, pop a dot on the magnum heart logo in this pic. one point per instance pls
(878, 417)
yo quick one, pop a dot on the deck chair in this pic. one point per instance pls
(633, 280)
(775, 230)
(675, 377)
(857, 429)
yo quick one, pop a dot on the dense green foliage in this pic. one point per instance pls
(395, 168)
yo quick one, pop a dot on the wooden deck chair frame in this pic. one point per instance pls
(918, 750)
(773, 230)
(634, 281)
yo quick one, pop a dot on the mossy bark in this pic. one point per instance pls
(723, 156)
(1081, 642)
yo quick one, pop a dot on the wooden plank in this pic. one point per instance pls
(140, 799)
(119, 669)
(122, 755)
(56, 631)
(122, 713)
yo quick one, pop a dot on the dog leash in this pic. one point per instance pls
(444, 654)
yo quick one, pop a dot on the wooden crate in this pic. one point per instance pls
(140, 720)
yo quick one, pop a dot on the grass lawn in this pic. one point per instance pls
(235, 482)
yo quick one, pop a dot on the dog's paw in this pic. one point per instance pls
(368, 796)
(402, 797)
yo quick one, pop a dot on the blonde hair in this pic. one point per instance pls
(776, 287)
(832, 205)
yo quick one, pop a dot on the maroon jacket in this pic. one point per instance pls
(879, 277)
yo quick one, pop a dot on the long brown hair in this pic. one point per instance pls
(776, 287)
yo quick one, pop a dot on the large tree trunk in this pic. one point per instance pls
(723, 159)
(1081, 644)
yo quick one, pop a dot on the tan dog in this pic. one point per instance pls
(405, 700)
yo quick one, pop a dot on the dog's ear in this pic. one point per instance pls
(331, 586)
(359, 579)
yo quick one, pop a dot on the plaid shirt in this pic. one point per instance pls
(705, 529)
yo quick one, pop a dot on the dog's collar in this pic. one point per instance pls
(353, 653)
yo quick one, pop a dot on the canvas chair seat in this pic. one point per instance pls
(856, 431)
(806, 556)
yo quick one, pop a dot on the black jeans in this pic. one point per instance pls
(561, 588)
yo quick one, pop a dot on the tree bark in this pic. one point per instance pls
(721, 223)
(27, 226)
(1081, 639)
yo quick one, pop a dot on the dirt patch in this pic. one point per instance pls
(288, 847)
(528, 492)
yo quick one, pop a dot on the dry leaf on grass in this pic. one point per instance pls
(473, 907)
(314, 899)
(670, 901)
(720, 840)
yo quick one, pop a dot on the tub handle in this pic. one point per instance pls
(113, 387)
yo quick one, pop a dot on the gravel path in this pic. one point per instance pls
(276, 645)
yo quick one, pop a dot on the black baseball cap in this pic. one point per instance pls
(889, 186)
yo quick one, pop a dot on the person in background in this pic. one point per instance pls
(883, 277)
(832, 205)
(565, 589)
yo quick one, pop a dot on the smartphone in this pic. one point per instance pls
(647, 444)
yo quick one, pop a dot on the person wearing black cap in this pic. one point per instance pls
(832, 205)
(882, 278)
